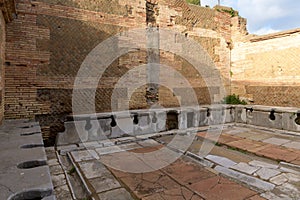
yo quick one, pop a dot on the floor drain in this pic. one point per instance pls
(32, 164)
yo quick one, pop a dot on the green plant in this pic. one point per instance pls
(72, 170)
(233, 99)
(218, 144)
(195, 2)
(232, 12)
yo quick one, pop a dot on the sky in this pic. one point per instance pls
(264, 16)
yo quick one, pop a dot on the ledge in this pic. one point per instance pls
(275, 35)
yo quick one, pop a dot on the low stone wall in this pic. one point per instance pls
(83, 128)
(282, 118)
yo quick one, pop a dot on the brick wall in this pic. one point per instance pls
(265, 69)
(42, 50)
(49, 40)
(2, 63)
(7, 11)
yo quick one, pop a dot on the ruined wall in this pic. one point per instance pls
(7, 12)
(265, 69)
(48, 41)
(2, 62)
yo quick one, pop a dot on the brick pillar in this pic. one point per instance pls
(153, 53)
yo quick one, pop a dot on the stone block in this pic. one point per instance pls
(244, 167)
(118, 194)
(109, 150)
(276, 141)
(294, 145)
(93, 169)
(249, 180)
(90, 145)
(182, 120)
(263, 118)
(293, 177)
(240, 114)
(229, 115)
(73, 133)
(266, 173)
(203, 119)
(105, 183)
(161, 121)
(124, 127)
(279, 180)
(84, 155)
(263, 164)
(288, 121)
(225, 162)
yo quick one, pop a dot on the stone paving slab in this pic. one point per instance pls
(182, 174)
(84, 155)
(293, 177)
(180, 181)
(246, 134)
(118, 194)
(255, 182)
(221, 188)
(117, 148)
(181, 193)
(287, 170)
(93, 169)
(104, 183)
(109, 150)
(266, 174)
(279, 180)
(292, 191)
(271, 196)
(246, 168)
(146, 184)
(294, 145)
(263, 164)
(187, 172)
(276, 141)
(148, 143)
(259, 137)
(278, 153)
(91, 145)
(221, 161)
(271, 150)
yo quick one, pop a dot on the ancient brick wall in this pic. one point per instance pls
(49, 40)
(265, 69)
(7, 12)
(2, 63)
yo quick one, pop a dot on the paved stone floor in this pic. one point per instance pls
(244, 163)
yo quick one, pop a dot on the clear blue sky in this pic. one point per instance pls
(265, 16)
